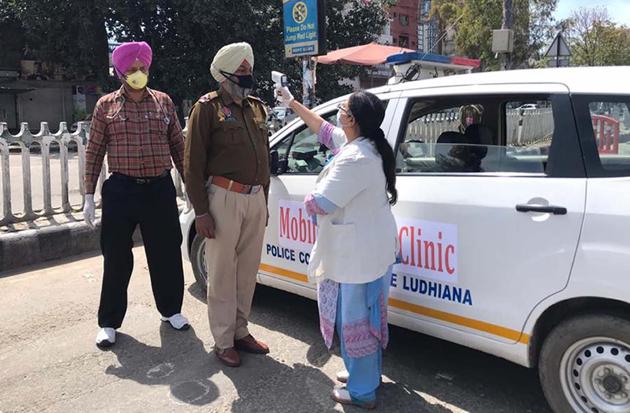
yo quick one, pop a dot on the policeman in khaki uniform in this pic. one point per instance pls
(227, 179)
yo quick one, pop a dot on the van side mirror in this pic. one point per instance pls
(277, 166)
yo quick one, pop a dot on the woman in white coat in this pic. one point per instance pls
(357, 238)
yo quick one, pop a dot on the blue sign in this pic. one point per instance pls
(301, 27)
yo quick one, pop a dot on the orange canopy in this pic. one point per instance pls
(366, 55)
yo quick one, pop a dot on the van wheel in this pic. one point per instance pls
(584, 365)
(198, 261)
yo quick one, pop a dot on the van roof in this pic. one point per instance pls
(596, 80)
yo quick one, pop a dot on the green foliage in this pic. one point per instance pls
(474, 20)
(595, 40)
(70, 34)
(185, 35)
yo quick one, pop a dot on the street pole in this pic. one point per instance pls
(308, 81)
(507, 24)
(558, 52)
(305, 94)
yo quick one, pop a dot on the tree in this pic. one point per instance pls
(474, 20)
(541, 29)
(446, 13)
(349, 23)
(186, 35)
(595, 40)
(70, 34)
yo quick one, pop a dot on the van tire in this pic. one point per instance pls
(573, 359)
(197, 260)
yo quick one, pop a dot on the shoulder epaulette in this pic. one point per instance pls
(208, 97)
(259, 100)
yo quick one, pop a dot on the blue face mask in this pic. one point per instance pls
(339, 118)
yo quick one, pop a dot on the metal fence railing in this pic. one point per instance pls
(51, 167)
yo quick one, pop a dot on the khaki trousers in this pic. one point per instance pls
(232, 261)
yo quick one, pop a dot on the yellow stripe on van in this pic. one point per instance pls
(424, 311)
(284, 273)
(462, 321)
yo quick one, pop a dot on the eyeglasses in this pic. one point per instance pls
(344, 110)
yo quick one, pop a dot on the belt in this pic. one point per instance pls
(234, 186)
(141, 180)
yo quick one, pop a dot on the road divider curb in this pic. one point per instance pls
(34, 246)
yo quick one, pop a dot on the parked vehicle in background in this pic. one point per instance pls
(513, 229)
(527, 106)
(278, 117)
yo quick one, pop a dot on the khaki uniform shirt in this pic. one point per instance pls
(228, 140)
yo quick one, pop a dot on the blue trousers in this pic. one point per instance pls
(364, 372)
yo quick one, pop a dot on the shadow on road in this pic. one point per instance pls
(181, 362)
(427, 374)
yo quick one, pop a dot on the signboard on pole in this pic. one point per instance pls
(559, 52)
(304, 27)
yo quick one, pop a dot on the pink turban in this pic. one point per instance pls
(126, 54)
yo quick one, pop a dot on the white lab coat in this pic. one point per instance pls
(357, 242)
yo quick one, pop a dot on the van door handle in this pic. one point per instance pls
(549, 209)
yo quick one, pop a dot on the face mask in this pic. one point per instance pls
(137, 80)
(339, 122)
(245, 81)
(241, 87)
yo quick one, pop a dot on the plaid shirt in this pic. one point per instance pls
(140, 138)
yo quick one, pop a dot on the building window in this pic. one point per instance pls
(404, 20)
(403, 41)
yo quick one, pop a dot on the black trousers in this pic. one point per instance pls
(153, 206)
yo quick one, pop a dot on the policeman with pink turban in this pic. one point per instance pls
(137, 128)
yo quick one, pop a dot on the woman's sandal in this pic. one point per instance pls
(342, 376)
(341, 395)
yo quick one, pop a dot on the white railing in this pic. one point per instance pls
(522, 128)
(529, 127)
(57, 175)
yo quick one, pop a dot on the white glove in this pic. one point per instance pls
(89, 210)
(284, 95)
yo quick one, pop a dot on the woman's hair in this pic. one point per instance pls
(368, 111)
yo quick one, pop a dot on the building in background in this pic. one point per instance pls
(428, 29)
(403, 17)
(411, 26)
(401, 30)
(35, 91)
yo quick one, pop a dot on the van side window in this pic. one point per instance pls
(302, 150)
(611, 132)
(477, 135)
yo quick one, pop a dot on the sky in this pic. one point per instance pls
(618, 10)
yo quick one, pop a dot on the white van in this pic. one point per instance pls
(514, 224)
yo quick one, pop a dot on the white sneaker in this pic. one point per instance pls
(106, 337)
(177, 321)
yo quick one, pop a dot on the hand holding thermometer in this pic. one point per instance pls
(279, 79)
(283, 95)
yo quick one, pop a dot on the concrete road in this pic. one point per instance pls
(48, 361)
